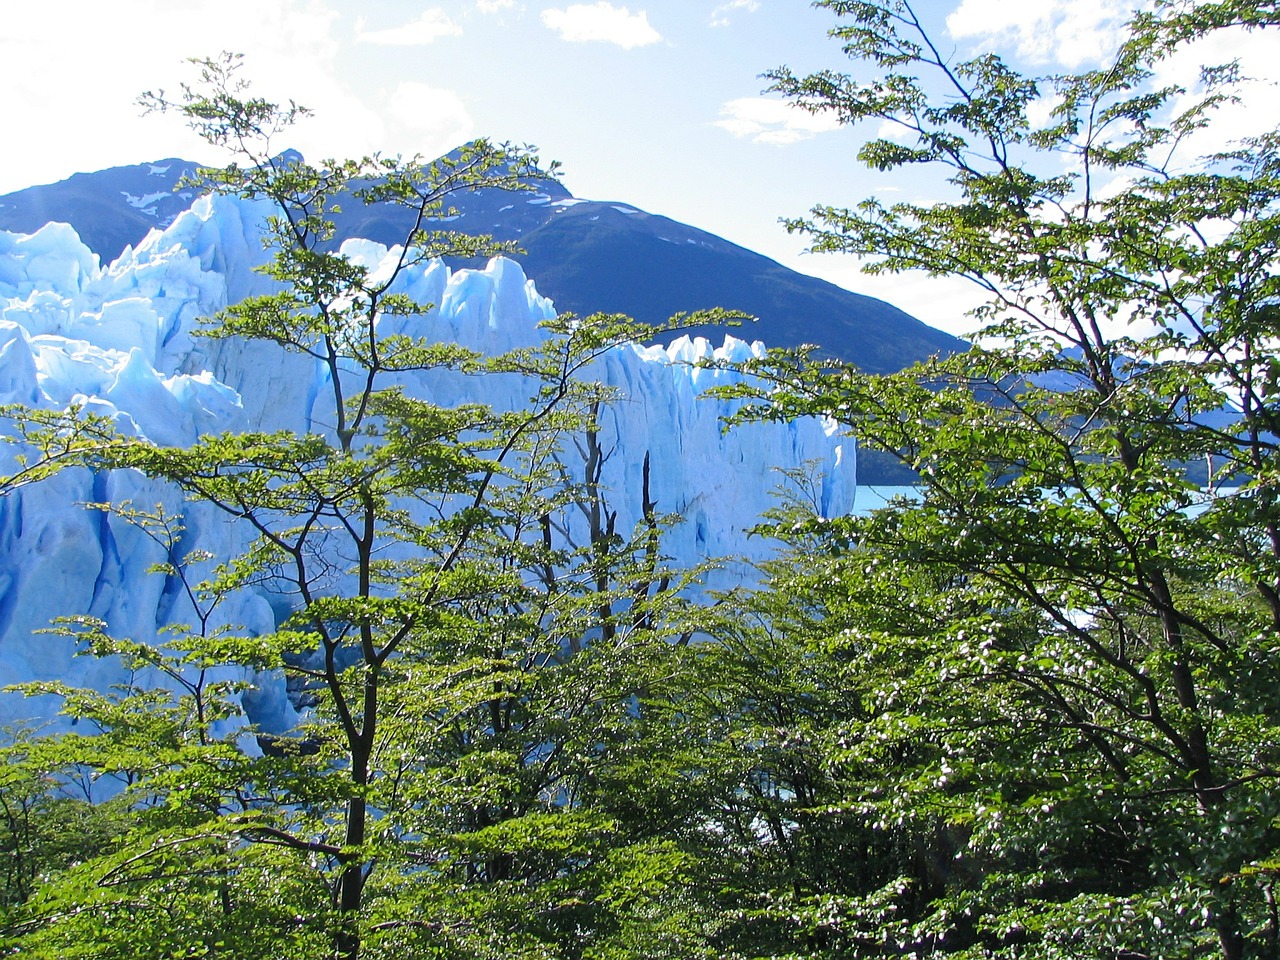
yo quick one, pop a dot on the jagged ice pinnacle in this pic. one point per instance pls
(118, 340)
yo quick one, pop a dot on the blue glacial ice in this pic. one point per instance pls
(117, 339)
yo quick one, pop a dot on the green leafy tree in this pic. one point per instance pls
(46, 828)
(460, 654)
(1065, 649)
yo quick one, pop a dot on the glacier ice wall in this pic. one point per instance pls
(117, 339)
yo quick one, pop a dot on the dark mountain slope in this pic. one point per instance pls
(587, 256)
(601, 256)
(110, 209)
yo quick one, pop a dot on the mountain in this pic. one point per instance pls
(585, 255)
(118, 341)
(110, 209)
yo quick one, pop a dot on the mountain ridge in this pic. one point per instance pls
(585, 255)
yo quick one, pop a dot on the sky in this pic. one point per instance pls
(656, 103)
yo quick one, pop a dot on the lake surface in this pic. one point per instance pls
(869, 497)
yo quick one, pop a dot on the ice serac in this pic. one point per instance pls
(118, 340)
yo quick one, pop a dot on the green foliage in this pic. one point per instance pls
(45, 829)
(458, 654)
(1033, 712)
(1060, 729)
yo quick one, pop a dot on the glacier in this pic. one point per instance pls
(118, 340)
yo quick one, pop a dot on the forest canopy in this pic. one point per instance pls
(1031, 712)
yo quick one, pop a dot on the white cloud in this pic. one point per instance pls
(430, 120)
(494, 6)
(1085, 33)
(1073, 33)
(895, 131)
(767, 120)
(720, 15)
(601, 21)
(428, 28)
(1254, 114)
(1040, 110)
(61, 125)
(67, 124)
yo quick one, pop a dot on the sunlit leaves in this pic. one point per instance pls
(1063, 648)
(459, 664)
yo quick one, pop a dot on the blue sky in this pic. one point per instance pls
(654, 102)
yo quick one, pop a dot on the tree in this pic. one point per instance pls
(428, 805)
(1077, 689)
